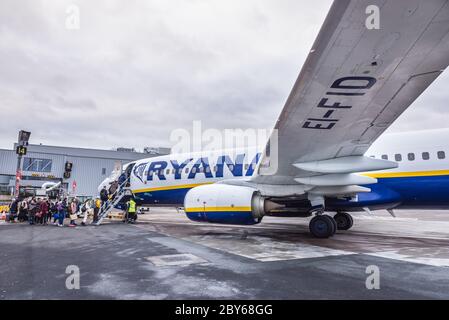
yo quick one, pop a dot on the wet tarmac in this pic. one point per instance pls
(166, 256)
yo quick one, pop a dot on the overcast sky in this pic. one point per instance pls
(136, 70)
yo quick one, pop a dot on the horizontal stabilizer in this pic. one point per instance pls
(346, 165)
(336, 179)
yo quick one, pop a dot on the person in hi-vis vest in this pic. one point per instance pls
(131, 214)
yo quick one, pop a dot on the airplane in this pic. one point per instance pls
(331, 154)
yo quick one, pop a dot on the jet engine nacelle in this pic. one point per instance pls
(228, 204)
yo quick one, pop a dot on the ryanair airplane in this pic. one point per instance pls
(355, 82)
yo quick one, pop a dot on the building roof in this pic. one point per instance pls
(87, 153)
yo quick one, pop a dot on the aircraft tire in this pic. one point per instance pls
(344, 221)
(321, 226)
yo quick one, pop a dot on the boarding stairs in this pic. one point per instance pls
(117, 196)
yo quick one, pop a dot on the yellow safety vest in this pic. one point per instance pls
(132, 206)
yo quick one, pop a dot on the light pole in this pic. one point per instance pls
(21, 150)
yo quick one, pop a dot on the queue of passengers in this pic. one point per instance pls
(43, 211)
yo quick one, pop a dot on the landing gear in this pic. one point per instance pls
(322, 226)
(344, 221)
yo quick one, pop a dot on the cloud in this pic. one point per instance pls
(136, 70)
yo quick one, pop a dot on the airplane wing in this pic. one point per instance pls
(355, 82)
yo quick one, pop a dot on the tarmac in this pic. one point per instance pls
(166, 256)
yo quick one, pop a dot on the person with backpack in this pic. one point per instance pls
(86, 209)
(61, 207)
(54, 211)
(73, 213)
(23, 213)
(104, 195)
(13, 210)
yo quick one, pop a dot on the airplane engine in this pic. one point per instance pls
(227, 204)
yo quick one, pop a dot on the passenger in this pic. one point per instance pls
(23, 214)
(86, 209)
(73, 213)
(33, 207)
(12, 211)
(113, 189)
(43, 211)
(104, 196)
(122, 178)
(44, 208)
(54, 212)
(131, 215)
(38, 215)
(62, 207)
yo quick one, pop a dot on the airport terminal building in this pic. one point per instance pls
(49, 164)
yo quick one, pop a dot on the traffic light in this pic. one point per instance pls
(68, 169)
(68, 166)
(24, 137)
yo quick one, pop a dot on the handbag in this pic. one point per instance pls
(73, 216)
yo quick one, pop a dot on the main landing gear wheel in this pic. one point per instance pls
(322, 226)
(344, 221)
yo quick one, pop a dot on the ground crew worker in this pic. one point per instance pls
(96, 209)
(131, 211)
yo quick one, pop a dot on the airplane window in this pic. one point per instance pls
(187, 170)
(168, 171)
(372, 156)
(398, 157)
(208, 169)
(150, 173)
(215, 168)
(441, 155)
(246, 166)
(231, 167)
(201, 169)
(425, 156)
(411, 156)
(193, 170)
(385, 157)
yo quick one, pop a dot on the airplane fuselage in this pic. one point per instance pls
(421, 179)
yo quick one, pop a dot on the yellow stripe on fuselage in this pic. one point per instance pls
(215, 209)
(174, 187)
(372, 175)
(407, 174)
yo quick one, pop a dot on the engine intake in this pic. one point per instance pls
(228, 204)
